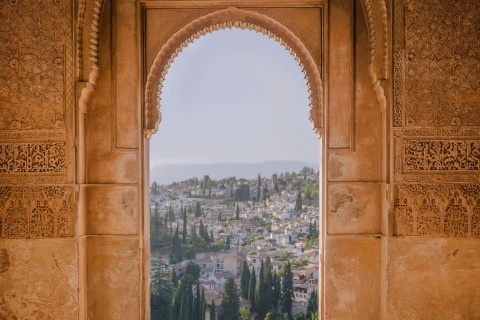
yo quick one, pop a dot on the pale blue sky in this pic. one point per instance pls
(234, 96)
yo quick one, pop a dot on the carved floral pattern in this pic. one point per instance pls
(442, 73)
(36, 64)
(36, 212)
(441, 155)
(437, 210)
(32, 157)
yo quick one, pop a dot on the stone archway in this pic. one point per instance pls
(222, 19)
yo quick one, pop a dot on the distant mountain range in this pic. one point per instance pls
(168, 173)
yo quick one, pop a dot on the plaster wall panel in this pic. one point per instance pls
(112, 209)
(432, 278)
(104, 163)
(352, 273)
(341, 53)
(354, 208)
(38, 279)
(127, 71)
(113, 278)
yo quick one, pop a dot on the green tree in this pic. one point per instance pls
(161, 296)
(259, 184)
(219, 216)
(237, 212)
(251, 289)
(211, 236)
(192, 269)
(270, 316)
(212, 311)
(287, 290)
(267, 290)
(201, 230)
(177, 250)
(174, 279)
(244, 280)
(299, 316)
(230, 302)
(194, 232)
(198, 209)
(184, 231)
(276, 290)
(298, 202)
(261, 304)
(312, 306)
(228, 242)
(196, 304)
(245, 314)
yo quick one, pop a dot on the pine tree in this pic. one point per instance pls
(287, 290)
(230, 302)
(251, 289)
(244, 280)
(237, 213)
(212, 311)
(184, 231)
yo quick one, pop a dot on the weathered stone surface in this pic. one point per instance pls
(112, 209)
(354, 208)
(113, 278)
(432, 278)
(352, 273)
(38, 279)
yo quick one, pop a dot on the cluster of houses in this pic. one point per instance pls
(272, 229)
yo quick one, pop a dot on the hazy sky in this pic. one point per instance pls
(234, 96)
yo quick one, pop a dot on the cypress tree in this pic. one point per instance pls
(230, 302)
(244, 280)
(189, 306)
(267, 291)
(183, 307)
(194, 232)
(237, 213)
(298, 202)
(203, 305)
(312, 306)
(219, 216)
(177, 250)
(276, 291)
(211, 236)
(212, 311)
(201, 229)
(261, 305)
(174, 278)
(198, 209)
(205, 235)
(196, 304)
(251, 289)
(287, 290)
(258, 187)
(228, 242)
(184, 231)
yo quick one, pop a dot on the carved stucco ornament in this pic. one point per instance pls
(223, 19)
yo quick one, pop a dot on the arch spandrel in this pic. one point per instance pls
(223, 19)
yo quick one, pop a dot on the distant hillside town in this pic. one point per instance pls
(229, 244)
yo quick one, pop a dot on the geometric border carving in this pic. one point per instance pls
(36, 212)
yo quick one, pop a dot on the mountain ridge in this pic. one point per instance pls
(168, 173)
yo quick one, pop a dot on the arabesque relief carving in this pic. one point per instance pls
(441, 155)
(441, 63)
(437, 210)
(36, 212)
(36, 82)
(32, 157)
